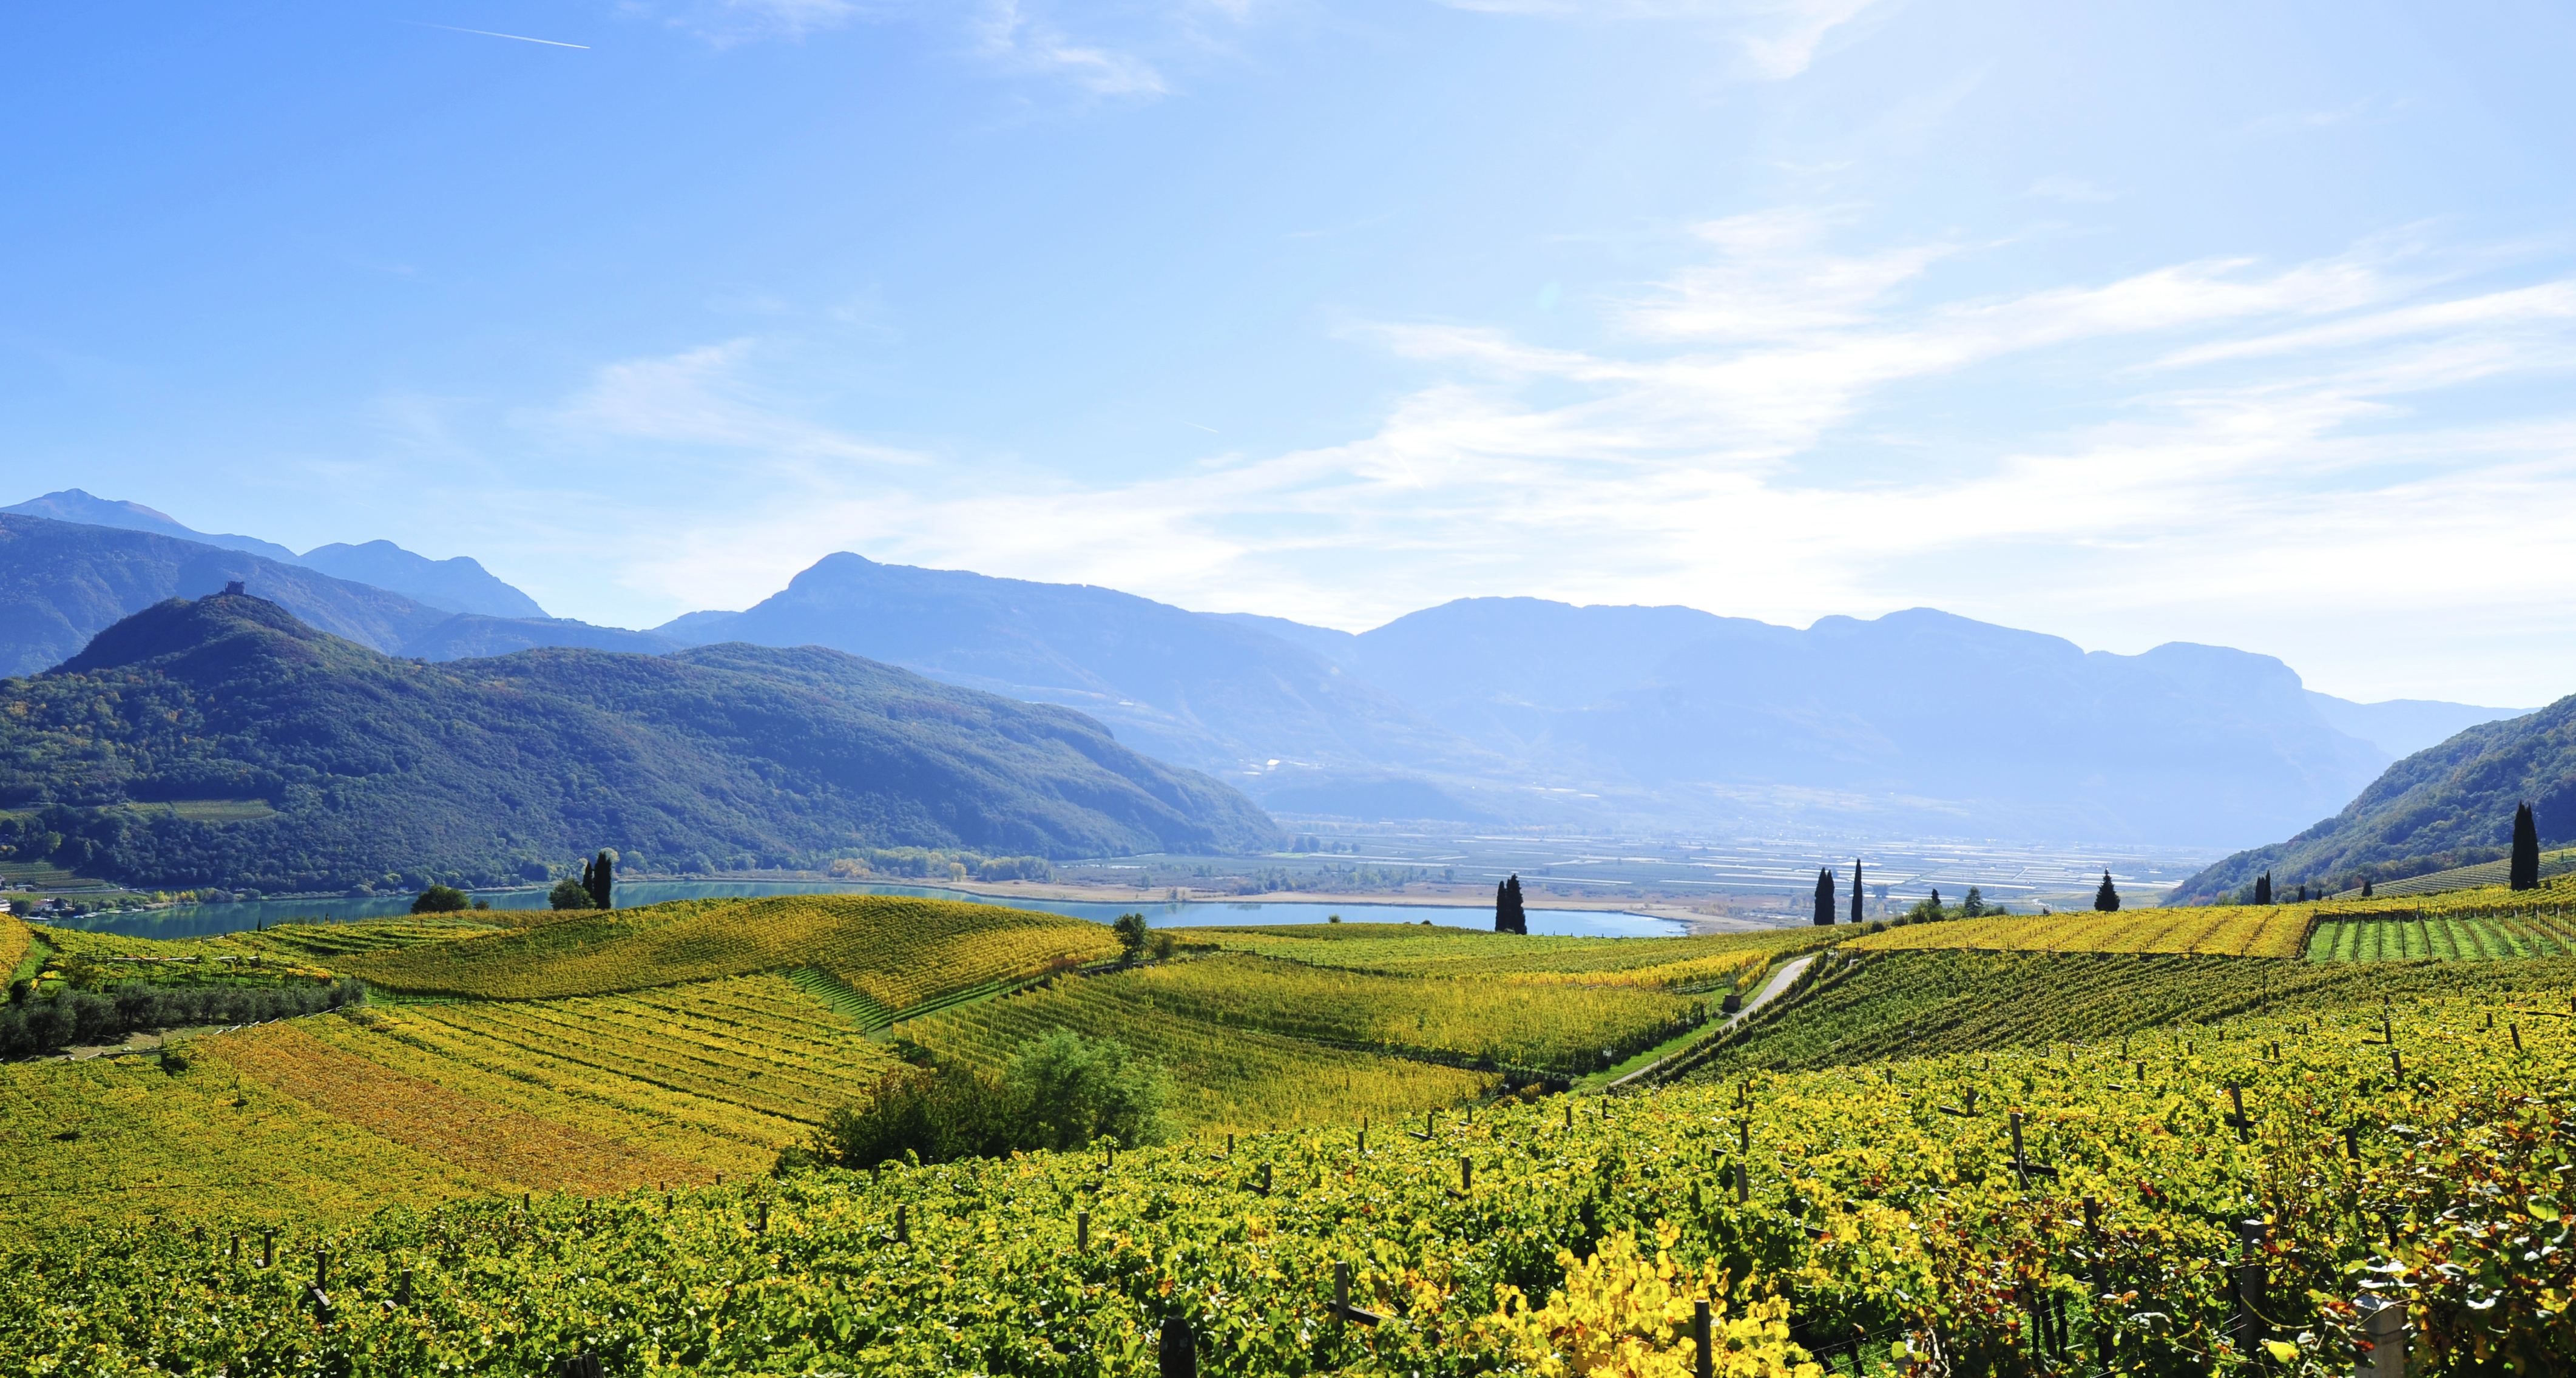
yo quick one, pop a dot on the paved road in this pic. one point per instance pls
(1780, 981)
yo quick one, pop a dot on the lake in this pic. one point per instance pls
(201, 920)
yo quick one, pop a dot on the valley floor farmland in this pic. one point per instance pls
(1931, 1155)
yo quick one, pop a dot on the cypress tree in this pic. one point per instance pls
(2525, 871)
(1509, 916)
(1825, 897)
(598, 876)
(2106, 899)
(1855, 889)
(1502, 908)
(2365, 889)
(2263, 888)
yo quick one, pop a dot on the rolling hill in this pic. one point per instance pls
(339, 766)
(2446, 806)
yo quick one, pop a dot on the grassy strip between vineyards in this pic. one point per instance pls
(1869, 1210)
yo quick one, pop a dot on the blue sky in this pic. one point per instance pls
(2247, 324)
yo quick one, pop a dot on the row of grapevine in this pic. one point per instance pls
(2058, 1209)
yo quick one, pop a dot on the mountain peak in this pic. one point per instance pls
(76, 505)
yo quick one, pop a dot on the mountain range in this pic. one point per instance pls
(458, 584)
(222, 738)
(1490, 710)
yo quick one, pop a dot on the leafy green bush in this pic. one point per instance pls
(569, 894)
(440, 899)
(1061, 1091)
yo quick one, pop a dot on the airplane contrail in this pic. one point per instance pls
(487, 33)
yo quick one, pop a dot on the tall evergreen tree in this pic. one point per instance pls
(1509, 916)
(2106, 899)
(1855, 889)
(2263, 888)
(1825, 897)
(2525, 871)
(598, 876)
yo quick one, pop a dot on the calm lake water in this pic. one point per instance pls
(200, 920)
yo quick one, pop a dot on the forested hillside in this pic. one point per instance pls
(2449, 805)
(224, 741)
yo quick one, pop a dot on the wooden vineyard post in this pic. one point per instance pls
(2517, 1036)
(1703, 1363)
(1229, 1145)
(1363, 1148)
(2244, 1127)
(763, 1226)
(402, 1290)
(2352, 1142)
(268, 1248)
(1569, 1114)
(1341, 1295)
(2021, 1162)
(1082, 1232)
(902, 1224)
(2096, 1279)
(2249, 1286)
(1113, 1156)
(1179, 1351)
(1265, 1179)
(321, 1269)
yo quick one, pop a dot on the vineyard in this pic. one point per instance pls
(2020, 1145)
(897, 952)
(1728, 959)
(1944, 1002)
(2222, 930)
(2044, 1209)
(1224, 1079)
(1556, 1029)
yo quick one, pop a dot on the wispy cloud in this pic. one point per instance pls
(2248, 445)
(706, 398)
(1779, 38)
(1008, 34)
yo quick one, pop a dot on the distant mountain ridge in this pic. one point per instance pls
(1488, 710)
(335, 765)
(2446, 806)
(458, 584)
(1187, 688)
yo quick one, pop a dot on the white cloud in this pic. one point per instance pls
(1778, 38)
(1007, 34)
(2251, 453)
